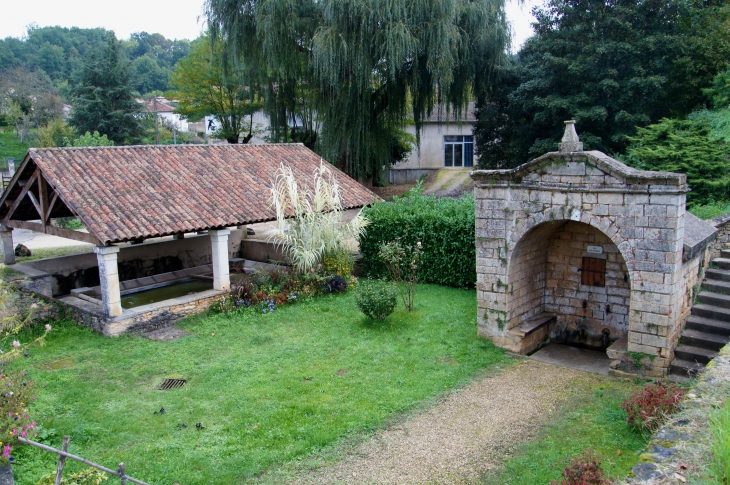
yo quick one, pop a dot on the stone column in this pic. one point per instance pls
(111, 297)
(219, 246)
(6, 245)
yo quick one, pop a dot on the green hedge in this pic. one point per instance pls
(444, 226)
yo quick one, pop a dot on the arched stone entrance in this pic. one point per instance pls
(540, 227)
(546, 276)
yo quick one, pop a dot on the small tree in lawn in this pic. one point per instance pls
(404, 263)
(309, 223)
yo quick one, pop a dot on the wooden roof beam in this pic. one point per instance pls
(55, 231)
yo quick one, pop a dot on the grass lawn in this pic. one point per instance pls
(266, 388)
(581, 423)
(57, 252)
(10, 146)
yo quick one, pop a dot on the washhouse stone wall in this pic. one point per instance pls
(534, 225)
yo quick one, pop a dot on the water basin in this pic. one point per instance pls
(174, 290)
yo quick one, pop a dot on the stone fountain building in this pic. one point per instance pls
(577, 247)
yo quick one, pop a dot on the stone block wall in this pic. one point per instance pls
(578, 306)
(640, 214)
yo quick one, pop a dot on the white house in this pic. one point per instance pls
(166, 112)
(445, 143)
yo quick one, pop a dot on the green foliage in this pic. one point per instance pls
(60, 53)
(103, 99)
(338, 262)
(719, 92)
(364, 66)
(376, 298)
(90, 140)
(206, 84)
(68, 223)
(445, 228)
(612, 66)
(709, 211)
(88, 476)
(269, 389)
(685, 146)
(309, 224)
(53, 134)
(404, 265)
(12, 147)
(720, 445)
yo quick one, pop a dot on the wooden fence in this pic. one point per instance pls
(63, 452)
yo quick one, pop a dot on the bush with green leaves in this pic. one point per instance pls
(376, 298)
(404, 264)
(88, 476)
(445, 228)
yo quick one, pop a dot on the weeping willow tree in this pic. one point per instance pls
(365, 67)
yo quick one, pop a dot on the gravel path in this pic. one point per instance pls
(462, 437)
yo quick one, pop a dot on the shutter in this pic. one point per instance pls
(593, 272)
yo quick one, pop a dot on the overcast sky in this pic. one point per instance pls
(175, 19)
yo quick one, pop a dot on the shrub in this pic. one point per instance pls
(404, 264)
(444, 226)
(336, 284)
(315, 228)
(376, 299)
(338, 262)
(648, 408)
(584, 470)
(89, 476)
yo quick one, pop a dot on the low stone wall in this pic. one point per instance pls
(672, 455)
(722, 224)
(142, 318)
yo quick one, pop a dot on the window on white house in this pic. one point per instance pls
(458, 151)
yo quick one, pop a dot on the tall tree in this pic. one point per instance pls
(103, 100)
(612, 65)
(369, 65)
(207, 85)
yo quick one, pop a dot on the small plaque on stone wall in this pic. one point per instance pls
(595, 249)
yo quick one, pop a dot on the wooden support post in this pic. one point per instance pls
(61, 460)
(43, 196)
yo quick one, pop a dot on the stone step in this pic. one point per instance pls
(678, 379)
(717, 274)
(685, 368)
(694, 354)
(722, 263)
(716, 299)
(716, 286)
(711, 311)
(708, 325)
(705, 340)
(725, 253)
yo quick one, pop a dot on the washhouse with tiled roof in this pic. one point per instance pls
(133, 193)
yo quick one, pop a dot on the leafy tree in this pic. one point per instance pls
(28, 99)
(367, 65)
(719, 93)
(685, 146)
(89, 140)
(103, 100)
(612, 65)
(206, 85)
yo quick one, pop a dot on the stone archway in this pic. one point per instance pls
(638, 214)
(545, 277)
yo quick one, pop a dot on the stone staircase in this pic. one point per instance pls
(708, 327)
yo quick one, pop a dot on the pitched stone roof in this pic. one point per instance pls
(132, 192)
(161, 106)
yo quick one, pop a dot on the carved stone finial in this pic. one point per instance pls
(570, 141)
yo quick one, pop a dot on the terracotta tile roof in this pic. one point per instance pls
(125, 193)
(162, 106)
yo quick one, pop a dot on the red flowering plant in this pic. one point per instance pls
(648, 409)
(584, 470)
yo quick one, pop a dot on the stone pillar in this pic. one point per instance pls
(111, 297)
(219, 247)
(6, 245)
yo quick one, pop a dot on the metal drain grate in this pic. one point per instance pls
(171, 384)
